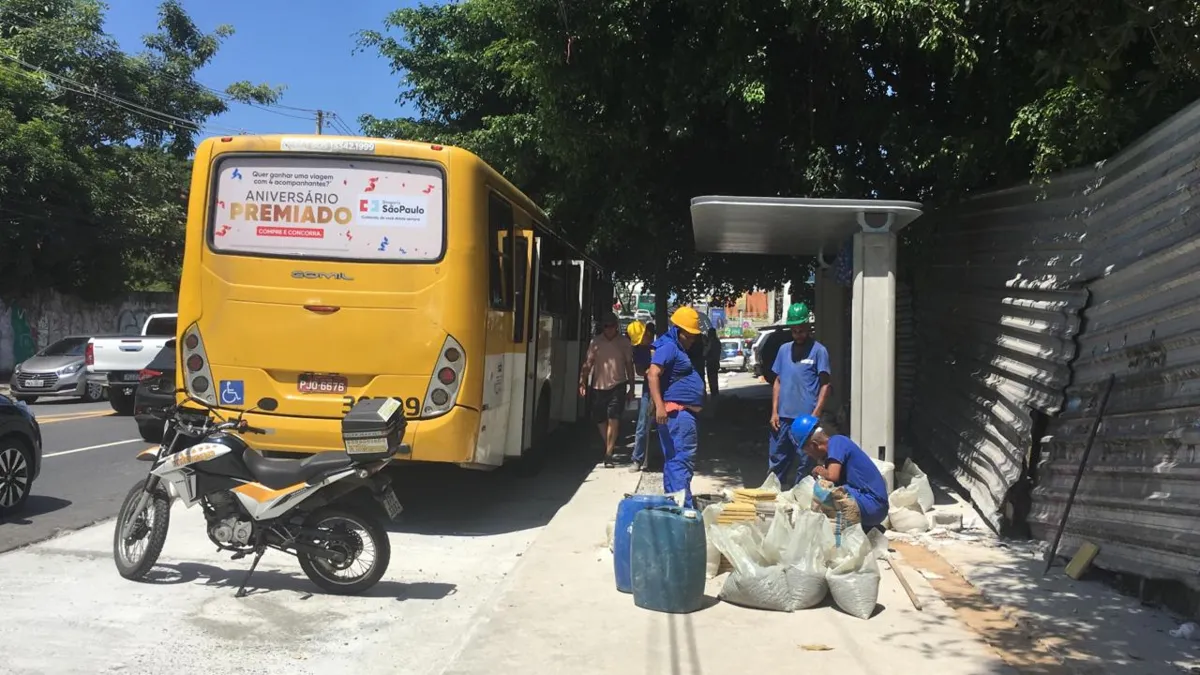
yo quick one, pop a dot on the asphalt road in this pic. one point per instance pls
(87, 467)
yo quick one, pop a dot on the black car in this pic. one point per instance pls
(155, 393)
(20, 454)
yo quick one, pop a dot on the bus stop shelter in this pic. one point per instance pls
(820, 227)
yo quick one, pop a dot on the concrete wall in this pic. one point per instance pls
(29, 324)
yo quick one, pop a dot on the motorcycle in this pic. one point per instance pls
(318, 509)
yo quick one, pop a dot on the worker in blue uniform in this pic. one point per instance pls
(642, 337)
(678, 395)
(840, 461)
(801, 387)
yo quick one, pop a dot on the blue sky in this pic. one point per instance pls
(304, 44)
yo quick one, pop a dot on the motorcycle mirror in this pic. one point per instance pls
(267, 404)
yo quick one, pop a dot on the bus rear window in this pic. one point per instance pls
(345, 209)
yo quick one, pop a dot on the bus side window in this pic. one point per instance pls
(500, 230)
(550, 286)
(520, 284)
(574, 286)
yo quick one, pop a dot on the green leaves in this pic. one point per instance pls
(95, 146)
(615, 114)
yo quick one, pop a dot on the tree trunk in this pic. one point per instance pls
(662, 295)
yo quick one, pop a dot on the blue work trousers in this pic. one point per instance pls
(679, 438)
(641, 437)
(784, 456)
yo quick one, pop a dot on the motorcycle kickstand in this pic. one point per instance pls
(259, 550)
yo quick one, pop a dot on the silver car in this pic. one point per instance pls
(733, 354)
(57, 370)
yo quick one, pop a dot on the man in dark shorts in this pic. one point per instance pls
(609, 364)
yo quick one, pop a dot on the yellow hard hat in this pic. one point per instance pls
(687, 319)
(636, 330)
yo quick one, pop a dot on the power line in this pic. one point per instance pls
(75, 86)
(340, 124)
(199, 86)
(334, 120)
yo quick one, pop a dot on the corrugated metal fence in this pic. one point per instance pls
(1006, 282)
(1140, 496)
(997, 307)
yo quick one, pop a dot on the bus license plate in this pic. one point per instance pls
(310, 383)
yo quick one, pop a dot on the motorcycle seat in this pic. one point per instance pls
(280, 473)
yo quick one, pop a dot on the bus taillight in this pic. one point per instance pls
(198, 379)
(445, 380)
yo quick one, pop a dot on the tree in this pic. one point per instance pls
(617, 114)
(95, 146)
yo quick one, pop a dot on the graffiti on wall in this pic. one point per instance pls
(31, 324)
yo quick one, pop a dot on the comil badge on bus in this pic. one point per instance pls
(405, 211)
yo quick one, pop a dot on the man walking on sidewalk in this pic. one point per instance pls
(801, 386)
(642, 338)
(678, 394)
(610, 364)
(712, 362)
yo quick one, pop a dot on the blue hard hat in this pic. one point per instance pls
(802, 428)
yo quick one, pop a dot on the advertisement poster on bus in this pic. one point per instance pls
(328, 207)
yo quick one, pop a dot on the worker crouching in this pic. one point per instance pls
(678, 395)
(849, 487)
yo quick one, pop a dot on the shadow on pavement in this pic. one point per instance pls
(36, 505)
(734, 436)
(271, 581)
(448, 500)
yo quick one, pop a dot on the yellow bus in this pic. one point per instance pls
(319, 270)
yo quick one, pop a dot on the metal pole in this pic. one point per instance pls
(1087, 450)
(320, 121)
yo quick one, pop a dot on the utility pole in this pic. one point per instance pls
(320, 121)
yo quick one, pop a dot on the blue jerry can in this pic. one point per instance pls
(667, 556)
(626, 510)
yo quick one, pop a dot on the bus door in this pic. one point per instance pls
(500, 362)
(519, 345)
(585, 333)
(534, 367)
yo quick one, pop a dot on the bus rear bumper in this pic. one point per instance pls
(449, 438)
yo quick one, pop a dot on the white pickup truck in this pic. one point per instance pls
(114, 362)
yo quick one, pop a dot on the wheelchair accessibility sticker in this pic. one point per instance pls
(233, 392)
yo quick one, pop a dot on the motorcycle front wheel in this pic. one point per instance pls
(361, 540)
(137, 552)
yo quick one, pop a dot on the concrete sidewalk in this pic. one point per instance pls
(984, 608)
(560, 612)
(65, 610)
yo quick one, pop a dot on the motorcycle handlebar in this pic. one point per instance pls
(238, 425)
(246, 428)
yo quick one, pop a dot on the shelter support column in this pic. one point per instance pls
(830, 313)
(873, 340)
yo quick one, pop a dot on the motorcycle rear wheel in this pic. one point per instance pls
(360, 535)
(136, 565)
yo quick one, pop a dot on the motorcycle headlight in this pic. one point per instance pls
(71, 369)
